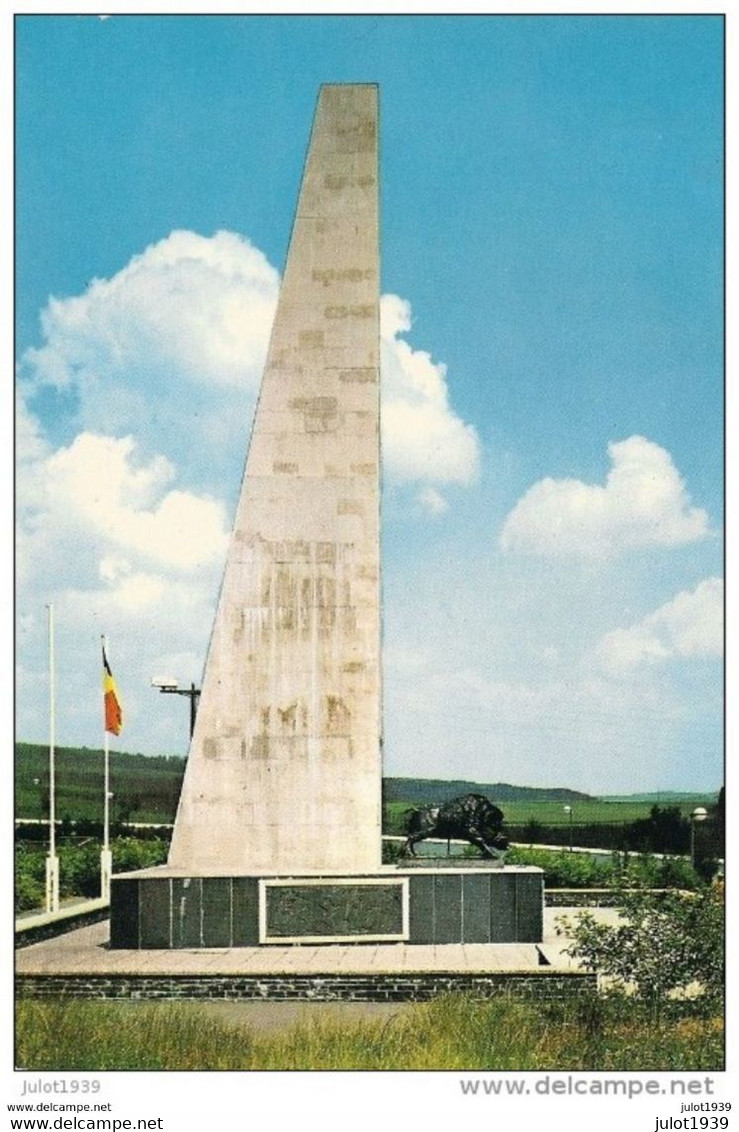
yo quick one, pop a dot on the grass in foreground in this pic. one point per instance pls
(452, 1032)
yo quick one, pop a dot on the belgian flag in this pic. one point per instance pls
(112, 705)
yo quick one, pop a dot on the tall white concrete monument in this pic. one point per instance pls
(277, 837)
(284, 771)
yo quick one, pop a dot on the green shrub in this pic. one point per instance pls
(391, 852)
(664, 942)
(656, 872)
(563, 869)
(79, 870)
(30, 892)
(79, 867)
(133, 853)
(30, 879)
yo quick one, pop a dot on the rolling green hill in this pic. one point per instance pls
(424, 791)
(146, 789)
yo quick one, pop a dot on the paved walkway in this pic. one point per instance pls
(266, 1018)
(86, 951)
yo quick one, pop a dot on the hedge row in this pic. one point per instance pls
(79, 867)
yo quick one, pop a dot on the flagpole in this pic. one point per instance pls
(106, 819)
(106, 860)
(52, 861)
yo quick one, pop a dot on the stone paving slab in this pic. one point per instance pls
(85, 951)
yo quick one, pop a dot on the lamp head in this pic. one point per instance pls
(171, 684)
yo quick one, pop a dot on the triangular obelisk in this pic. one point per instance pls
(284, 770)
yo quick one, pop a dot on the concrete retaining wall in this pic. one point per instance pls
(592, 897)
(47, 927)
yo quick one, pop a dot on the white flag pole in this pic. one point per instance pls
(106, 821)
(52, 861)
(106, 857)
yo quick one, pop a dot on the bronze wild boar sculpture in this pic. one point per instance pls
(470, 817)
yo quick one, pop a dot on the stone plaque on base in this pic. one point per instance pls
(333, 910)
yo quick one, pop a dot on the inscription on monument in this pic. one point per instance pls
(331, 910)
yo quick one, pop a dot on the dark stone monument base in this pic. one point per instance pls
(478, 902)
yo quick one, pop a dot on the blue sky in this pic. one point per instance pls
(551, 244)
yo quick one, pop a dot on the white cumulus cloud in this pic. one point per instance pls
(171, 350)
(643, 503)
(689, 625)
(134, 412)
(201, 306)
(423, 438)
(96, 488)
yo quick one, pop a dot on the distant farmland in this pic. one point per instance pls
(520, 814)
(146, 789)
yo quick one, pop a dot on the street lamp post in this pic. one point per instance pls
(698, 814)
(172, 687)
(568, 811)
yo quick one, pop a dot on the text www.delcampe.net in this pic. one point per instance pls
(574, 1086)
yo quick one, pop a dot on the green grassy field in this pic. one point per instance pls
(597, 812)
(452, 1032)
(552, 813)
